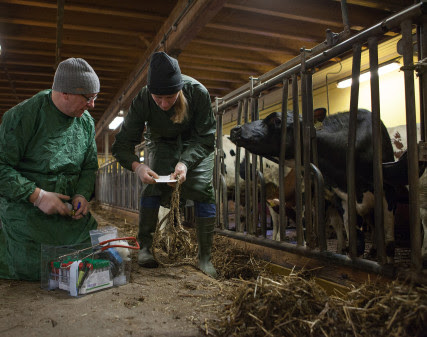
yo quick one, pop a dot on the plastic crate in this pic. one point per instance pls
(82, 269)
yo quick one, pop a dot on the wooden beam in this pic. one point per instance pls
(385, 5)
(289, 15)
(81, 43)
(256, 31)
(59, 28)
(211, 67)
(105, 58)
(194, 51)
(202, 75)
(191, 24)
(263, 49)
(44, 64)
(92, 29)
(90, 9)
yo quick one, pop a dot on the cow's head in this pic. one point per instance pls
(262, 137)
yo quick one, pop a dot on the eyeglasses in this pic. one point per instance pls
(89, 99)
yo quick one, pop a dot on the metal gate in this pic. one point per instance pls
(286, 75)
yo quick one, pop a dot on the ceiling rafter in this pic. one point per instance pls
(289, 16)
(235, 59)
(48, 65)
(264, 49)
(90, 9)
(92, 29)
(214, 68)
(257, 31)
(66, 55)
(86, 43)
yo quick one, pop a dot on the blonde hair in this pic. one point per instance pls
(181, 109)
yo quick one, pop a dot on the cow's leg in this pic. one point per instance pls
(362, 209)
(366, 212)
(275, 219)
(389, 232)
(334, 219)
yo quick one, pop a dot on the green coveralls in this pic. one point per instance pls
(42, 147)
(192, 142)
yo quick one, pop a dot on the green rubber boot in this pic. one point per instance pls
(147, 226)
(205, 231)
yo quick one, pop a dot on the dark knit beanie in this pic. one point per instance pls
(164, 75)
(75, 76)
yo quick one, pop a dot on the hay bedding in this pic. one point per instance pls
(297, 306)
(265, 304)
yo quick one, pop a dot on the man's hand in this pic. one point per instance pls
(80, 206)
(146, 174)
(51, 203)
(181, 172)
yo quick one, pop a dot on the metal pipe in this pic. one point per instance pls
(282, 208)
(106, 145)
(306, 143)
(377, 150)
(344, 13)
(422, 55)
(320, 203)
(328, 257)
(413, 173)
(254, 174)
(297, 140)
(262, 202)
(224, 202)
(218, 160)
(351, 150)
(248, 204)
(236, 174)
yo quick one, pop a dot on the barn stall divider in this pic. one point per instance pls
(287, 75)
(121, 188)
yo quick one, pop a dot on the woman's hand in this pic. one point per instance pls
(181, 172)
(146, 174)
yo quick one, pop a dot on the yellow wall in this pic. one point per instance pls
(392, 98)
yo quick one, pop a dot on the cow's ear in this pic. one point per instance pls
(273, 119)
(319, 114)
(277, 121)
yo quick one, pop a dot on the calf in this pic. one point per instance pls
(262, 137)
(271, 179)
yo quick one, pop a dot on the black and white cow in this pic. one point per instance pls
(262, 137)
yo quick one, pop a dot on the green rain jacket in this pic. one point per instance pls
(42, 147)
(192, 142)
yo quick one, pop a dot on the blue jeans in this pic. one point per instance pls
(201, 209)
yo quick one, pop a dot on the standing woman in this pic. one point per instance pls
(180, 138)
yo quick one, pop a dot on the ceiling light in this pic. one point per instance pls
(115, 123)
(366, 76)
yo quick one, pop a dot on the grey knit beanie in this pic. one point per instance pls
(75, 76)
(164, 75)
